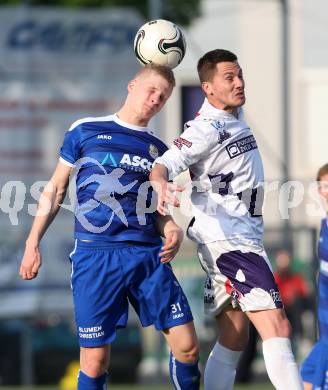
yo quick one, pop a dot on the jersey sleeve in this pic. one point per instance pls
(193, 144)
(70, 150)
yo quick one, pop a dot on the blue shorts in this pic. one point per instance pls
(107, 276)
(315, 367)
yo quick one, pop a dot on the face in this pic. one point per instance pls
(283, 261)
(148, 94)
(226, 90)
(323, 186)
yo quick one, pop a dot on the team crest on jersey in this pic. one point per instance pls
(218, 124)
(153, 151)
(223, 133)
(223, 136)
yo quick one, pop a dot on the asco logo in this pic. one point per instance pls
(136, 161)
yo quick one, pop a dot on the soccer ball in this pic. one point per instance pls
(160, 42)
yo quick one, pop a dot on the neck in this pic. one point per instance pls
(129, 116)
(234, 112)
(231, 110)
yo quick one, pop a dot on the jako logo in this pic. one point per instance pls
(136, 161)
(104, 136)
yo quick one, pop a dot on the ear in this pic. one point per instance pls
(207, 87)
(131, 84)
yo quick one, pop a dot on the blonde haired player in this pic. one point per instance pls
(118, 255)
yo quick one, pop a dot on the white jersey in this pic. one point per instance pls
(227, 176)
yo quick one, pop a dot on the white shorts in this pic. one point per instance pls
(239, 275)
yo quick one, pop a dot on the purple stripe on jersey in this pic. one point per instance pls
(246, 271)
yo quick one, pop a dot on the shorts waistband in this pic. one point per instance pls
(111, 245)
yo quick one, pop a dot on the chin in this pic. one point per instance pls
(240, 102)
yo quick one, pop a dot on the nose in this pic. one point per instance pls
(239, 82)
(155, 99)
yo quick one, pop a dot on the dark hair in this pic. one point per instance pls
(161, 70)
(322, 171)
(207, 64)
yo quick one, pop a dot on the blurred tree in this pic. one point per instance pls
(178, 11)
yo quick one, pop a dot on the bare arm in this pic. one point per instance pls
(165, 190)
(173, 237)
(49, 204)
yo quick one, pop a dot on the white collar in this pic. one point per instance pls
(209, 111)
(129, 125)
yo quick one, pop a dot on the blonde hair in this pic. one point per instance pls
(161, 70)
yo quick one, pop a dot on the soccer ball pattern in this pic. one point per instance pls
(160, 42)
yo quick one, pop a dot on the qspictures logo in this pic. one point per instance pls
(18, 199)
(108, 185)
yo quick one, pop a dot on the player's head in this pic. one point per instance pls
(283, 261)
(322, 179)
(222, 80)
(164, 71)
(149, 91)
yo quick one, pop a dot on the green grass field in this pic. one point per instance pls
(152, 387)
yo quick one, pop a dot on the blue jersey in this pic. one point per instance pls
(112, 162)
(323, 281)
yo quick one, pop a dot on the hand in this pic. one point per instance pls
(31, 263)
(167, 196)
(173, 240)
